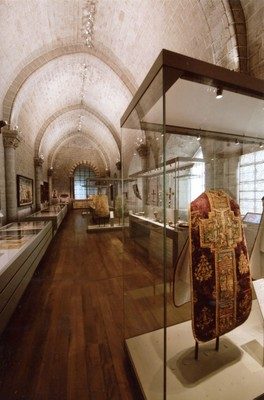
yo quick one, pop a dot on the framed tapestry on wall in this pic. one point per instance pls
(24, 191)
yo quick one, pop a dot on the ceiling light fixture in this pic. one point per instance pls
(236, 142)
(83, 74)
(79, 128)
(88, 18)
(261, 145)
(198, 138)
(219, 93)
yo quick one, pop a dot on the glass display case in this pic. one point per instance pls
(22, 245)
(184, 136)
(54, 213)
(104, 206)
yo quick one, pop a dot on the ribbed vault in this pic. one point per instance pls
(42, 51)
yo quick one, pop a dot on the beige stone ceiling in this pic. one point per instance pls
(92, 129)
(75, 150)
(58, 84)
(42, 55)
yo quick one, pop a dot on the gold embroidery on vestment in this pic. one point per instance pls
(204, 270)
(243, 264)
(220, 231)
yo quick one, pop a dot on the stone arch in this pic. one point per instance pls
(240, 29)
(71, 135)
(65, 110)
(84, 162)
(234, 54)
(43, 59)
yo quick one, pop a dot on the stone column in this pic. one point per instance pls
(71, 187)
(11, 141)
(119, 168)
(38, 161)
(50, 174)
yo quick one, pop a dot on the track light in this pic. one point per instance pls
(236, 142)
(219, 93)
(198, 138)
(2, 124)
(261, 145)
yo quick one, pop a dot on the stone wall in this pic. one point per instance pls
(254, 13)
(2, 180)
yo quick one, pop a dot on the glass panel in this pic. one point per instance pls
(81, 188)
(162, 175)
(259, 207)
(143, 186)
(247, 206)
(260, 186)
(259, 195)
(221, 168)
(247, 174)
(250, 195)
(260, 156)
(259, 171)
(247, 158)
(245, 186)
(251, 180)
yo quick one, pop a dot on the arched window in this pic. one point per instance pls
(251, 182)
(81, 188)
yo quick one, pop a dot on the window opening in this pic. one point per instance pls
(81, 188)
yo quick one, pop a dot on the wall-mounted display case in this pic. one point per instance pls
(180, 139)
(54, 213)
(22, 245)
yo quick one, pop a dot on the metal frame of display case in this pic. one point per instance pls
(168, 70)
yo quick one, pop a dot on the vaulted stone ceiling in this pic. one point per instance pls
(43, 57)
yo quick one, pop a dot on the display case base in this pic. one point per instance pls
(234, 372)
(103, 228)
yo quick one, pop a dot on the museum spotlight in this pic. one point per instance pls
(198, 138)
(219, 93)
(261, 145)
(236, 142)
(2, 124)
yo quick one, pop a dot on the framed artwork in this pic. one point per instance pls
(24, 191)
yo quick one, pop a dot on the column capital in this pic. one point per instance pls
(2, 124)
(118, 165)
(11, 137)
(143, 150)
(38, 161)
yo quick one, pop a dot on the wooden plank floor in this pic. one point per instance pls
(65, 339)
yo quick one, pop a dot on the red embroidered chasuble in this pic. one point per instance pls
(220, 277)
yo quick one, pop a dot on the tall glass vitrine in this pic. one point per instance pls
(183, 134)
